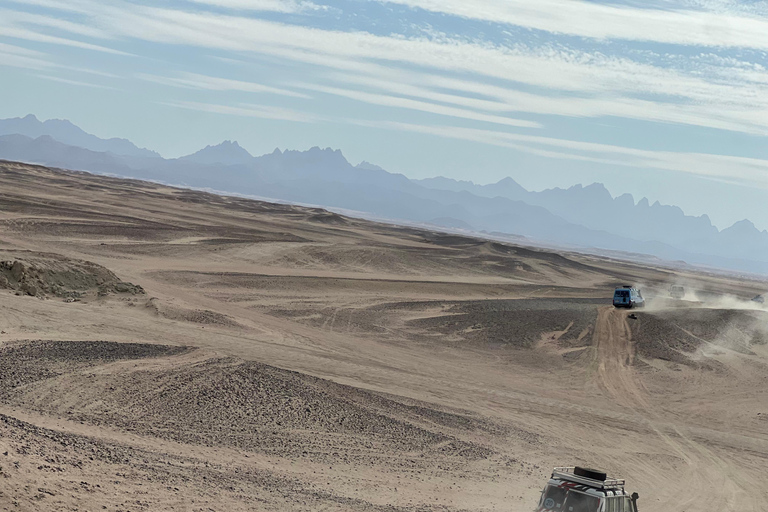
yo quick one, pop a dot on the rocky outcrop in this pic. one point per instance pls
(45, 275)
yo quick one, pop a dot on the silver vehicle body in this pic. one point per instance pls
(567, 492)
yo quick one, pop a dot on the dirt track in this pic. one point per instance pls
(285, 358)
(705, 474)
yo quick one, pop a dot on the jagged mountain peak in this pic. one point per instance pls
(742, 227)
(318, 149)
(509, 182)
(367, 166)
(323, 156)
(226, 153)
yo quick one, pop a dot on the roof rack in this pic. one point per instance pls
(567, 474)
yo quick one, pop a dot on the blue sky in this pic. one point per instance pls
(664, 99)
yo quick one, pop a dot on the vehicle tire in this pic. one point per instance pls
(590, 473)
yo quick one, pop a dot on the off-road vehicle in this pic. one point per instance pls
(585, 490)
(628, 297)
(677, 292)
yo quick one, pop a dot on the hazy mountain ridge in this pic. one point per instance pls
(226, 153)
(594, 207)
(587, 217)
(507, 187)
(68, 133)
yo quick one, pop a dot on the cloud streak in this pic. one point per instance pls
(77, 83)
(210, 83)
(281, 6)
(728, 96)
(247, 110)
(741, 115)
(679, 26)
(15, 30)
(421, 106)
(753, 171)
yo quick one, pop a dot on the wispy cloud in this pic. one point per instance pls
(741, 114)
(726, 27)
(422, 106)
(77, 83)
(720, 96)
(20, 50)
(247, 110)
(11, 17)
(753, 171)
(90, 71)
(282, 6)
(210, 83)
(19, 57)
(16, 32)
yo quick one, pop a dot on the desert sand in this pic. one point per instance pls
(168, 349)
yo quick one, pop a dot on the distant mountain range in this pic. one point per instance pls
(579, 217)
(67, 133)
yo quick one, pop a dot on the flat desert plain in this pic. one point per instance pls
(168, 349)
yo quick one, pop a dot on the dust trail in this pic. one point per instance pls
(660, 299)
(707, 484)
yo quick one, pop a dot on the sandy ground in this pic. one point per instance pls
(164, 349)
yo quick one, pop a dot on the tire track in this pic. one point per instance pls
(709, 482)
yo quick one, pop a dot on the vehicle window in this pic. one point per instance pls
(580, 502)
(553, 498)
(610, 504)
(622, 293)
(626, 504)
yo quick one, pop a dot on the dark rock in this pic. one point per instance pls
(17, 270)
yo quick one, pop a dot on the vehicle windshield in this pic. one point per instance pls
(580, 502)
(553, 498)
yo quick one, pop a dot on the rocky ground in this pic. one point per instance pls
(166, 349)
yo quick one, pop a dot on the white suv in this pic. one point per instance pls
(585, 490)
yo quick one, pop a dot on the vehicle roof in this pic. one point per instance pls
(586, 489)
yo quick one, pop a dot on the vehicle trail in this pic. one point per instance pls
(707, 483)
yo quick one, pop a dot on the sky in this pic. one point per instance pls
(665, 99)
